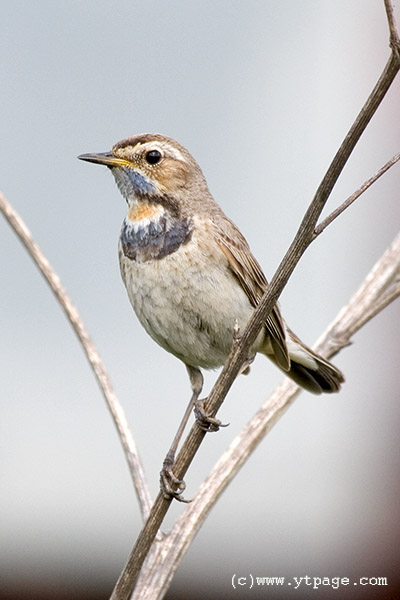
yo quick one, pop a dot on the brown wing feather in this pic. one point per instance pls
(254, 283)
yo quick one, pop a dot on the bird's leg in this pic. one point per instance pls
(170, 484)
(205, 421)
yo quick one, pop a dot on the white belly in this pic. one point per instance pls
(188, 302)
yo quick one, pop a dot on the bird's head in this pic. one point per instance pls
(152, 167)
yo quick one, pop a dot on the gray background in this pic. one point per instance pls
(261, 93)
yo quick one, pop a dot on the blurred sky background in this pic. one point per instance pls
(262, 94)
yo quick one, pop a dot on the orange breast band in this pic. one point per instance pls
(144, 210)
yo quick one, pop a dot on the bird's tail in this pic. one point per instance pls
(309, 370)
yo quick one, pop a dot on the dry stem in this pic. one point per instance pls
(116, 410)
(349, 201)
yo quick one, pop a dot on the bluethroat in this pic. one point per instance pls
(191, 277)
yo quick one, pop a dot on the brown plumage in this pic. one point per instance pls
(189, 272)
(174, 190)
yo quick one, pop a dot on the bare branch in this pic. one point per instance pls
(394, 34)
(382, 283)
(381, 286)
(338, 211)
(89, 348)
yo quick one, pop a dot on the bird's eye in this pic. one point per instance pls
(153, 157)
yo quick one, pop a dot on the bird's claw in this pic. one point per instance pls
(205, 421)
(170, 485)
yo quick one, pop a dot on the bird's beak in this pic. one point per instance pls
(104, 158)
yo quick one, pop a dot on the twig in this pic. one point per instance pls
(382, 283)
(302, 240)
(338, 211)
(394, 34)
(89, 348)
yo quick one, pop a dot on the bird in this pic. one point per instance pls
(191, 277)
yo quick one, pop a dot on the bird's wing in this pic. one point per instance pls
(253, 281)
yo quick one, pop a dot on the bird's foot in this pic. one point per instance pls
(170, 485)
(204, 420)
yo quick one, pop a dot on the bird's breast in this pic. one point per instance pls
(150, 233)
(189, 302)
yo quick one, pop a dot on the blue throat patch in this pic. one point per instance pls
(140, 183)
(130, 181)
(156, 239)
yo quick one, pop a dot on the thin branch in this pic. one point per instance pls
(89, 348)
(302, 240)
(338, 211)
(394, 34)
(382, 282)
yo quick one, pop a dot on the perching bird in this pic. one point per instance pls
(190, 274)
